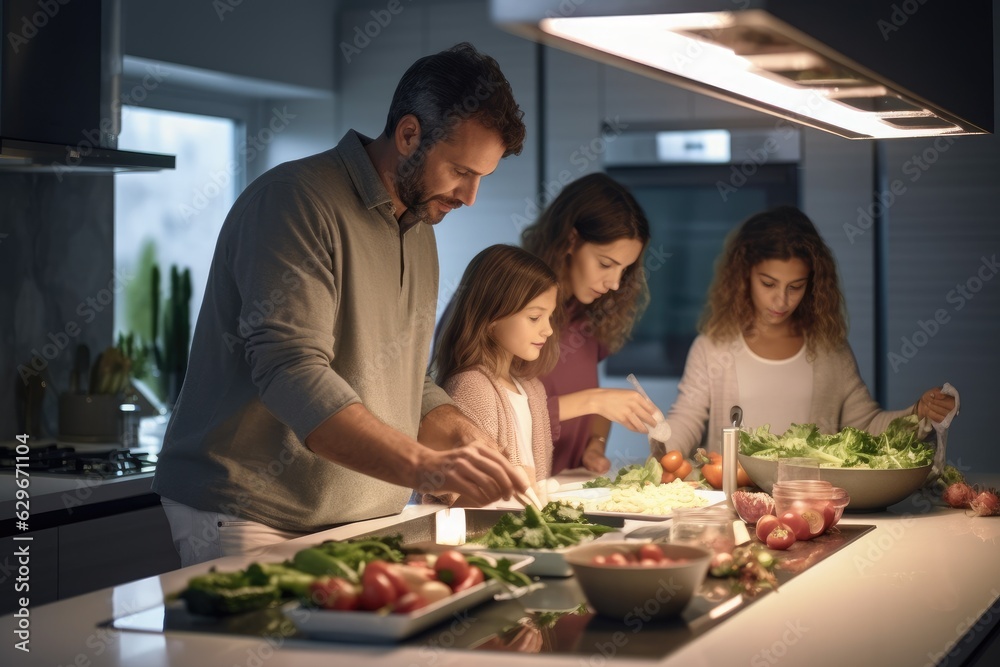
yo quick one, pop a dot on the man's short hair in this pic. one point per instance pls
(459, 84)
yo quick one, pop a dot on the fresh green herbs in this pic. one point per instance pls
(556, 525)
(897, 447)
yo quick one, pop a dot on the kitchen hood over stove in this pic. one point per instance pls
(60, 78)
(857, 68)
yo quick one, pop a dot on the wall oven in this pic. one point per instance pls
(695, 186)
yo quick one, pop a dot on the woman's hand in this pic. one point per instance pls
(934, 405)
(594, 459)
(627, 407)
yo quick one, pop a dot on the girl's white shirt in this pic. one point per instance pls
(522, 417)
(774, 391)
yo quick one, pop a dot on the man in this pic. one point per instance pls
(306, 402)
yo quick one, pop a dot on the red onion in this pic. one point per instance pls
(985, 504)
(959, 495)
(751, 505)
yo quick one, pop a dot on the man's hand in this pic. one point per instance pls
(476, 471)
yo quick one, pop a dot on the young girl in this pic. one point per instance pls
(774, 341)
(497, 339)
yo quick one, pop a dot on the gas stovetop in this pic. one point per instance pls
(62, 459)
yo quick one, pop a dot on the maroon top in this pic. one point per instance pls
(579, 354)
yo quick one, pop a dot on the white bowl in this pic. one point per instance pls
(869, 489)
(619, 591)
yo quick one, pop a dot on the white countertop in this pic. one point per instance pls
(906, 593)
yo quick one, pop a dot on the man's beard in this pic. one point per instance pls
(413, 195)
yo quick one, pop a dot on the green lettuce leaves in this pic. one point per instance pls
(897, 447)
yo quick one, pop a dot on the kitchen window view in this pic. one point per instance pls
(170, 218)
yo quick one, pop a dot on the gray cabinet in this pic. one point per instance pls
(86, 556)
(113, 550)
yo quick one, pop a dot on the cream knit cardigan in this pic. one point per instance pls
(484, 400)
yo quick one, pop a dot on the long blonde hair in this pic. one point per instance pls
(601, 211)
(499, 282)
(780, 233)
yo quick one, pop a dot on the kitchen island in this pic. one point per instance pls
(923, 588)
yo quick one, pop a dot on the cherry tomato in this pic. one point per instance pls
(667, 477)
(765, 525)
(814, 520)
(451, 567)
(715, 457)
(798, 525)
(829, 516)
(671, 461)
(684, 470)
(650, 552)
(377, 591)
(618, 559)
(334, 593)
(409, 603)
(474, 578)
(399, 584)
(780, 538)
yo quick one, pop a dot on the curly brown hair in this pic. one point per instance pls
(780, 233)
(601, 211)
(499, 282)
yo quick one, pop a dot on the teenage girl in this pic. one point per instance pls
(774, 341)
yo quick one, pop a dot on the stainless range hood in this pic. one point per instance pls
(861, 69)
(60, 103)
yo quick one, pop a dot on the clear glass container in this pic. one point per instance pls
(708, 527)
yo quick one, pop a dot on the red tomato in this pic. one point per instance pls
(377, 591)
(829, 516)
(333, 593)
(399, 584)
(797, 524)
(765, 525)
(650, 552)
(742, 478)
(684, 470)
(780, 538)
(667, 477)
(599, 559)
(409, 603)
(671, 461)
(451, 567)
(815, 521)
(618, 559)
(474, 578)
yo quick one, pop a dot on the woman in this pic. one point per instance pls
(774, 341)
(592, 235)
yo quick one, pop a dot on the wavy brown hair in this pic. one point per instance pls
(780, 233)
(601, 211)
(499, 282)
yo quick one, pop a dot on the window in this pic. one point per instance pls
(688, 222)
(171, 217)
